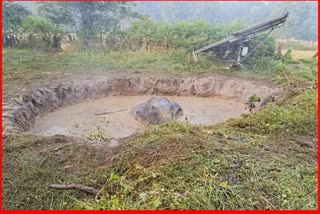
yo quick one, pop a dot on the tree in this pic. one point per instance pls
(13, 15)
(41, 26)
(59, 13)
(90, 18)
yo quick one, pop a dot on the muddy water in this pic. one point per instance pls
(81, 119)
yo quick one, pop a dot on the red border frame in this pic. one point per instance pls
(162, 211)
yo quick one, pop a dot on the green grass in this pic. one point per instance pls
(37, 64)
(179, 166)
(33, 62)
(250, 162)
(175, 166)
(298, 116)
(284, 71)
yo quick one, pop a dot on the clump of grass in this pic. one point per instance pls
(226, 174)
(170, 166)
(298, 116)
(31, 164)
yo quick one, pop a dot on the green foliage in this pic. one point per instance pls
(35, 24)
(190, 171)
(170, 166)
(263, 55)
(88, 18)
(251, 103)
(59, 13)
(287, 58)
(299, 71)
(13, 16)
(299, 116)
(302, 22)
(182, 35)
(246, 163)
(40, 27)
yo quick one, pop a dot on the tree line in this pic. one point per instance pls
(107, 24)
(86, 19)
(117, 25)
(302, 23)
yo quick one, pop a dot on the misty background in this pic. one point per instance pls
(302, 23)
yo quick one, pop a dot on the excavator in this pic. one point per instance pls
(236, 48)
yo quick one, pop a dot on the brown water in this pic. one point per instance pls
(80, 119)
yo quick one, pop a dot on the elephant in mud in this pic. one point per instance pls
(157, 110)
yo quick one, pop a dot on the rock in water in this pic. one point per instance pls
(157, 110)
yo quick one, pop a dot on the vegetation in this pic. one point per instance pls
(251, 103)
(256, 161)
(146, 33)
(262, 160)
(89, 18)
(298, 115)
(21, 63)
(302, 22)
(175, 166)
(13, 16)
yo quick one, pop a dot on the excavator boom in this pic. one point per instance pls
(235, 47)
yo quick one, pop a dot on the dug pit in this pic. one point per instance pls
(75, 107)
(83, 119)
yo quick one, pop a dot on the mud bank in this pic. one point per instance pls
(21, 114)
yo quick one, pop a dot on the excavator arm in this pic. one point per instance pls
(235, 48)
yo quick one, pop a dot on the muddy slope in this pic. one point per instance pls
(22, 112)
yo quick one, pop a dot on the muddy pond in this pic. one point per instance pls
(84, 119)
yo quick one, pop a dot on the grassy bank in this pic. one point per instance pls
(180, 166)
(254, 162)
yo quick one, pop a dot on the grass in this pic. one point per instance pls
(303, 54)
(22, 62)
(25, 65)
(298, 116)
(31, 163)
(298, 44)
(178, 166)
(175, 166)
(251, 162)
(285, 71)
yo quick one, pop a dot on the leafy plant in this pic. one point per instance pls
(251, 103)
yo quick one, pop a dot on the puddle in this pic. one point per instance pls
(80, 119)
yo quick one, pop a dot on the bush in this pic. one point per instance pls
(262, 55)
